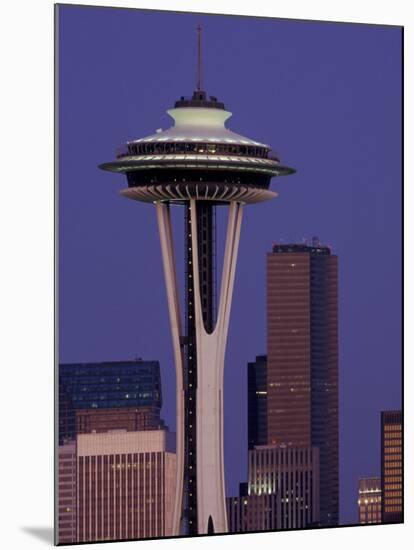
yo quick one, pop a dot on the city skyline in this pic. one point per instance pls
(75, 348)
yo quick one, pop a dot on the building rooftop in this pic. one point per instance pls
(123, 442)
(315, 248)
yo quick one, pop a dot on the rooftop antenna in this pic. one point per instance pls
(199, 75)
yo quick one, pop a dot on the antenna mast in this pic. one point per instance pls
(199, 67)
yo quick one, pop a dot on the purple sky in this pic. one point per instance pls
(327, 97)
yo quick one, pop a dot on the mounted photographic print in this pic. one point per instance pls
(229, 274)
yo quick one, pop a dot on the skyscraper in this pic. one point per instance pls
(199, 164)
(369, 500)
(302, 359)
(392, 467)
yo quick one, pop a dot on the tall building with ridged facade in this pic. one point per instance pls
(293, 398)
(125, 485)
(392, 467)
(302, 359)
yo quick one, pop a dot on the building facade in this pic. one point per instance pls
(392, 466)
(131, 419)
(67, 475)
(293, 475)
(257, 402)
(125, 485)
(302, 359)
(369, 500)
(247, 513)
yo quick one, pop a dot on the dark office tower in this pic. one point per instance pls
(256, 402)
(302, 360)
(98, 397)
(392, 466)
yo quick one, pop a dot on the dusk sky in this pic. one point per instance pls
(327, 98)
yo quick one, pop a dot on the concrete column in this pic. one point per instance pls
(171, 283)
(211, 505)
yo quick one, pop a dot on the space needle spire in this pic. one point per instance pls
(199, 61)
(198, 164)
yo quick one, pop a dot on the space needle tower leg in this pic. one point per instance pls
(211, 348)
(171, 283)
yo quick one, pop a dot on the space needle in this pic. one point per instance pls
(199, 164)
